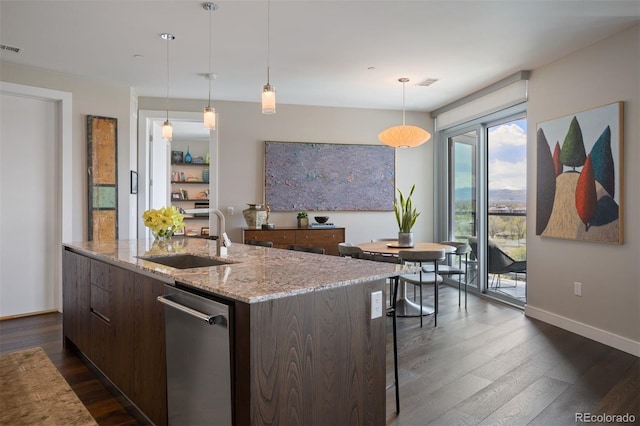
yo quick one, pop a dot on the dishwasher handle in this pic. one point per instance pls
(211, 319)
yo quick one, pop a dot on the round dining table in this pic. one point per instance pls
(404, 306)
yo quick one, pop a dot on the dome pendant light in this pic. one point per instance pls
(210, 113)
(268, 91)
(404, 136)
(167, 130)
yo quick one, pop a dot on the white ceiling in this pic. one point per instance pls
(321, 51)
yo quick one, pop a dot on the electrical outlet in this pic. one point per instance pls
(577, 289)
(376, 304)
(230, 211)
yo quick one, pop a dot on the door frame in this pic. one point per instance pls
(64, 141)
(441, 181)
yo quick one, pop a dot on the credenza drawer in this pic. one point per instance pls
(283, 238)
(320, 236)
(276, 237)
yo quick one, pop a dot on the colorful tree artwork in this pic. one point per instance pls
(577, 181)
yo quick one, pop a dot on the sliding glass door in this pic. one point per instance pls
(485, 163)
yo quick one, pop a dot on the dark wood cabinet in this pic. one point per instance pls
(112, 316)
(149, 365)
(327, 238)
(76, 299)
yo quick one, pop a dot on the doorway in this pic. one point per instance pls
(154, 159)
(486, 202)
(36, 178)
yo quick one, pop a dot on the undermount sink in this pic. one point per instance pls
(184, 261)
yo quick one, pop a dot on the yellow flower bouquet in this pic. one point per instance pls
(163, 222)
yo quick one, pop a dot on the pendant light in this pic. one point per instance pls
(404, 136)
(167, 130)
(268, 91)
(210, 113)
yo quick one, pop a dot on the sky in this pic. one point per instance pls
(507, 158)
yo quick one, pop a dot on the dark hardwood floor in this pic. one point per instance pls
(492, 365)
(487, 365)
(103, 401)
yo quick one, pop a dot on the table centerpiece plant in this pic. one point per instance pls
(163, 222)
(406, 215)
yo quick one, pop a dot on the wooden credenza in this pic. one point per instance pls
(327, 238)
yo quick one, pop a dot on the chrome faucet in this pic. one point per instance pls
(221, 242)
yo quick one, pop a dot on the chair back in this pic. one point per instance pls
(419, 256)
(461, 248)
(317, 250)
(259, 243)
(349, 250)
(497, 260)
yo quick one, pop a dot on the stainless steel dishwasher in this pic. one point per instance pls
(198, 359)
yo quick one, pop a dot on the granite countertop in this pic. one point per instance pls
(254, 274)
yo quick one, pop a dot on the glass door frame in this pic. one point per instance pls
(443, 213)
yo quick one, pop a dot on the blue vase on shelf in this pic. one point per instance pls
(187, 157)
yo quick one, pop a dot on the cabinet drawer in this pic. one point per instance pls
(100, 275)
(277, 237)
(320, 236)
(101, 303)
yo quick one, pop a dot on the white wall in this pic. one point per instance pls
(89, 98)
(243, 130)
(609, 310)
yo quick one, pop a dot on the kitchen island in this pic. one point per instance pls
(304, 348)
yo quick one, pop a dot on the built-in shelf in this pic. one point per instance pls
(200, 182)
(190, 164)
(190, 199)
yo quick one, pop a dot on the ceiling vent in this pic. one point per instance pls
(427, 82)
(10, 48)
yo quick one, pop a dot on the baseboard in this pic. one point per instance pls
(30, 314)
(605, 337)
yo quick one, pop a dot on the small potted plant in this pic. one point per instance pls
(406, 215)
(303, 220)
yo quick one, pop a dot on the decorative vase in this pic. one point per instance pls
(303, 222)
(163, 235)
(187, 156)
(255, 216)
(405, 239)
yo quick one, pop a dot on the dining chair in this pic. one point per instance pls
(499, 262)
(449, 269)
(259, 243)
(421, 258)
(349, 250)
(317, 250)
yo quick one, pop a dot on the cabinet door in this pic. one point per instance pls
(325, 238)
(279, 238)
(150, 366)
(122, 322)
(76, 282)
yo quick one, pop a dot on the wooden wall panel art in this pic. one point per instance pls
(102, 152)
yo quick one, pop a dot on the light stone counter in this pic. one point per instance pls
(254, 274)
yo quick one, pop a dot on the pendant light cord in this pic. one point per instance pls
(403, 83)
(168, 38)
(268, 37)
(210, 65)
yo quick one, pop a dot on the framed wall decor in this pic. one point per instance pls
(579, 176)
(102, 156)
(133, 178)
(324, 177)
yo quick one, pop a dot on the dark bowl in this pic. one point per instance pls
(321, 219)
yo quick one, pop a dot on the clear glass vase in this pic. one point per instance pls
(163, 234)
